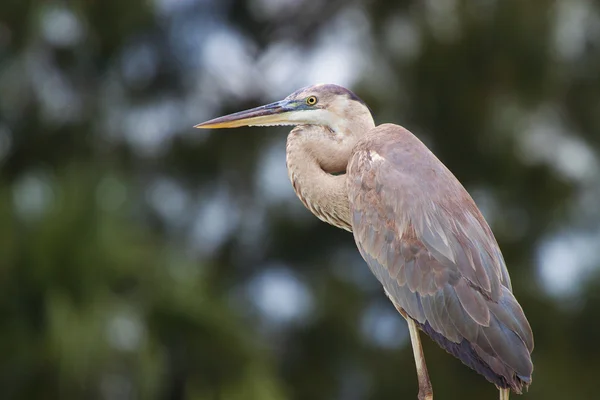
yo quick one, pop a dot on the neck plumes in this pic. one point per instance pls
(317, 172)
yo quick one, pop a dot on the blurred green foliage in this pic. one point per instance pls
(133, 248)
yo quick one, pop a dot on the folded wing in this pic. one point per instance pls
(427, 243)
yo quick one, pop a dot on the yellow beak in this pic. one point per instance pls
(271, 114)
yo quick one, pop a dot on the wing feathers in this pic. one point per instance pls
(458, 317)
(427, 243)
(473, 303)
(509, 347)
(509, 313)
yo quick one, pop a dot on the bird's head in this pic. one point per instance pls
(326, 105)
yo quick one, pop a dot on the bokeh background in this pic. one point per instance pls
(144, 259)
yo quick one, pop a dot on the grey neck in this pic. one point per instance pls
(324, 194)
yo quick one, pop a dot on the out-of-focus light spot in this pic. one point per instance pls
(383, 326)
(280, 295)
(227, 57)
(272, 178)
(576, 22)
(216, 218)
(61, 103)
(139, 64)
(576, 160)
(331, 65)
(340, 55)
(169, 199)
(546, 139)
(125, 331)
(279, 65)
(402, 37)
(32, 195)
(147, 128)
(566, 260)
(61, 27)
(111, 193)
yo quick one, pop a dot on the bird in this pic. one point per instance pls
(416, 226)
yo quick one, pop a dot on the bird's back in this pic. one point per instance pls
(427, 243)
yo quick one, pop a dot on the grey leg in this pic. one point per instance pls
(425, 390)
(504, 394)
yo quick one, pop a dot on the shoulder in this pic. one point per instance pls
(380, 137)
(391, 160)
(399, 150)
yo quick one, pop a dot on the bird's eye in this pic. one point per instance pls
(311, 101)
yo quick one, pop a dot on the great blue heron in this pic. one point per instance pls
(415, 225)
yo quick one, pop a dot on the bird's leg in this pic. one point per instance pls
(504, 393)
(425, 390)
